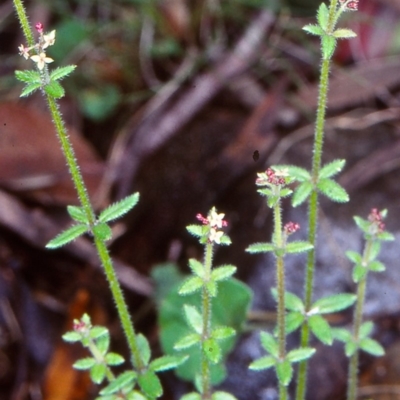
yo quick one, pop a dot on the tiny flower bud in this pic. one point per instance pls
(202, 219)
(291, 227)
(39, 27)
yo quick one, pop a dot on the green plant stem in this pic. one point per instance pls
(206, 313)
(313, 203)
(280, 281)
(86, 205)
(358, 313)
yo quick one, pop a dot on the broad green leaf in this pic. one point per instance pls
(260, 248)
(191, 285)
(298, 247)
(223, 272)
(262, 363)
(385, 237)
(284, 372)
(376, 266)
(297, 173)
(222, 332)
(301, 193)
(150, 384)
(54, 89)
(144, 348)
(196, 230)
(292, 302)
(67, 236)
(362, 223)
(342, 334)
(336, 302)
(331, 169)
(194, 318)
(359, 273)
(293, 321)
(98, 373)
(31, 77)
(103, 343)
(269, 343)
(313, 29)
(71, 337)
(120, 382)
(61, 72)
(333, 190)
(85, 363)
(321, 329)
(328, 46)
(212, 350)
(135, 395)
(191, 396)
(196, 267)
(211, 288)
(187, 341)
(167, 362)
(113, 359)
(102, 231)
(97, 331)
(222, 396)
(225, 240)
(298, 355)
(366, 329)
(344, 34)
(371, 346)
(78, 214)
(323, 16)
(28, 89)
(354, 257)
(119, 208)
(350, 348)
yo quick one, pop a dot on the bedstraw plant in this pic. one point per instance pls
(140, 382)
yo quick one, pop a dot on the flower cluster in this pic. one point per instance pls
(214, 221)
(350, 5)
(376, 219)
(290, 227)
(40, 58)
(271, 177)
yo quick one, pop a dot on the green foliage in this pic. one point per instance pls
(117, 210)
(67, 236)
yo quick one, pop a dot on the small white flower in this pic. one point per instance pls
(41, 60)
(216, 219)
(23, 51)
(49, 39)
(215, 236)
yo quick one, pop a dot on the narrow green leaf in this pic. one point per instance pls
(293, 321)
(350, 348)
(103, 343)
(301, 193)
(336, 302)
(344, 34)
(196, 267)
(54, 89)
(262, 363)
(341, 334)
(77, 214)
(31, 77)
(323, 16)
(385, 237)
(97, 331)
(191, 285)
(71, 337)
(222, 396)
(223, 272)
(114, 359)
(331, 169)
(61, 72)
(188, 341)
(376, 266)
(284, 372)
(191, 396)
(67, 236)
(167, 362)
(260, 248)
(372, 347)
(265, 192)
(222, 332)
(297, 173)
(118, 209)
(269, 344)
(362, 223)
(85, 363)
(102, 231)
(354, 257)
(150, 384)
(196, 230)
(144, 348)
(212, 350)
(359, 273)
(366, 329)
(211, 288)
(328, 46)
(298, 355)
(98, 373)
(298, 247)
(321, 329)
(375, 249)
(333, 190)
(285, 192)
(292, 302)
(194, 318)
(28, 89)
(120, 382)
(225, 240)
(313, 29)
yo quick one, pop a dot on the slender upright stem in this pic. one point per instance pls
(206, 313)
(358, 313)
(313, 203)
